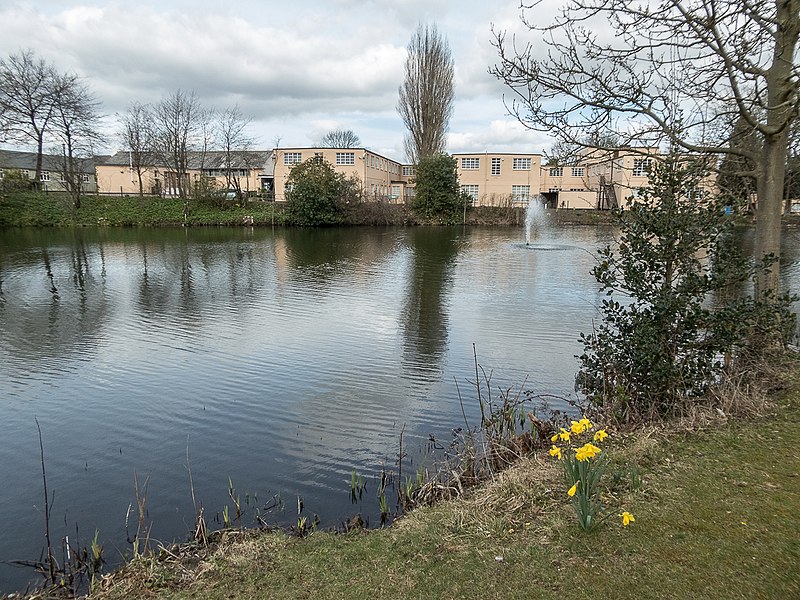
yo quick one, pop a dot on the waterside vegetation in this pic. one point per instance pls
(31, 209)
(713, 499)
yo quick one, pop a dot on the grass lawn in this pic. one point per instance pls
(717, 516)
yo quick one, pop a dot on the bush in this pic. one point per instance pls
(438, 196)
(318, 194)
(683, 316)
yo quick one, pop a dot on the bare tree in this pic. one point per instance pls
(236, 145)
(136, 135)
(74, 122)
(426, 96)
(340, 138)
(664, 72)
(180, 131)
(27, 85)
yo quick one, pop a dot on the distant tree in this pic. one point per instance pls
(426, 96)
(233, 139)
(27, 88)
(136, 135)
(74, 129)
(180, 126)
(438, 195)
(317, 193)
(340, 138)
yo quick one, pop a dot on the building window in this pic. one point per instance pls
(520, 192)
(292, 158)
(578, 171)
(521, 164)
(288, 187)
(345, 158)
(408, 171)
(395, 192)
(471, 190)
(44, 176)
(1, 173)
(85, 178)
(495, 166)
(640, 167)
(470, 163)
(557, 172)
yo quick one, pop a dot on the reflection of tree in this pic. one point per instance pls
(433, 252)
(55, 304)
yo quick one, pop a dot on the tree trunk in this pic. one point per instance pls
(781, 95)
(770, 208)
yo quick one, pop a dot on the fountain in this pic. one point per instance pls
(535, 218)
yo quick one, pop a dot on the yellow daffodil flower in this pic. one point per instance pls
(627, 518)
(577, 427)
(554, 438)
(586, 452)
(564, 435)
(600, 435)
(555, 451)
(587, 424)
(573, 489)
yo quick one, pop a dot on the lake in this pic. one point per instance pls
(279, 359)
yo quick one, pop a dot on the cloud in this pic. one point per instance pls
(287, 65)
(501, 135)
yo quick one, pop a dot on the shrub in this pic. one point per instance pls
(318, 194)
(438, 195)
(675, 314)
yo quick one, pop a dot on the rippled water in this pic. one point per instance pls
(280, 359)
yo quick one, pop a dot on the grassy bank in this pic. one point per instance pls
(24, 209)
(716, 517)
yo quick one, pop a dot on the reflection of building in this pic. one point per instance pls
(381, 178)
(249, 172)
(22, 165)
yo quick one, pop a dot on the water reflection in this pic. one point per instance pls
(425, 319)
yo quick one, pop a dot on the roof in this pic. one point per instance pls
(212, 159)
(13, 159)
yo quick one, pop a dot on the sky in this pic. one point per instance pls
(297, 69)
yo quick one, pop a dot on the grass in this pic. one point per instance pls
(54, 209)
(717, 515)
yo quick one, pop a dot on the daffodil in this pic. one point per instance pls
(573, 489)
(586, 452)
(600, 435)
(563, 435)
(577, 427)
(555, 451)
(554, 438)
(627, 518)
(587, 424)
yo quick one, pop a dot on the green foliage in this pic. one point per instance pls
(318, 194)
(438, 195)
(675, 313)
(14, 180)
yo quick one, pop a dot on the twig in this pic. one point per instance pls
(51, 561)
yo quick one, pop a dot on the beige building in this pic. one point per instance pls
(250, 173)
(598, 178)
(499, 179)
(381, 178)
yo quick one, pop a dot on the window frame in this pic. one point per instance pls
(496, 166)
(346, 158)
(521, 161)
(292, 158)
(470, 163)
